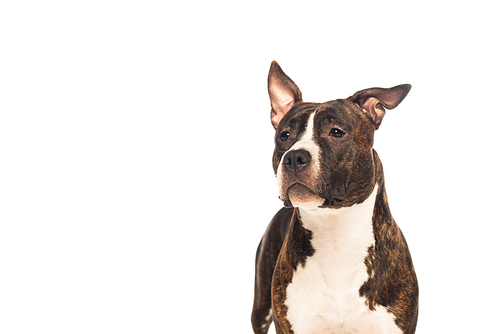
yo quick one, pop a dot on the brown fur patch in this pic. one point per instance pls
(267, 254)
(392, 282)
(296, 249)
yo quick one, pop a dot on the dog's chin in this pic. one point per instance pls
(302, 196)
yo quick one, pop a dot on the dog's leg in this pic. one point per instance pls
(267, 253)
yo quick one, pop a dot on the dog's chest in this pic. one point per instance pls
(323, 296)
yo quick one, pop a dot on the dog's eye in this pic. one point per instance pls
(284, 135)
(337, 133)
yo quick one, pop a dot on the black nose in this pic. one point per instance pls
(296, 160)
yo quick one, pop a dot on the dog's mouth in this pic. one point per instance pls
(299, 195)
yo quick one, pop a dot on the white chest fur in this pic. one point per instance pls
(323, 296)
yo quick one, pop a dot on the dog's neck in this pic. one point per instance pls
(349, 221)
(341, 239)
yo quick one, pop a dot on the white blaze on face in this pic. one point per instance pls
(305, 142)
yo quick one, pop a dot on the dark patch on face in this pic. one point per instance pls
(296, 249)
(392, 281)
(347, 162)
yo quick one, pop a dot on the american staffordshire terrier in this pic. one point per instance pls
(333, 259)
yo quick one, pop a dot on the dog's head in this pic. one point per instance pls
(324, 151)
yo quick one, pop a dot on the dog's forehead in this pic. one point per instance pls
(337, 110)
(341, 112)
(298, 115)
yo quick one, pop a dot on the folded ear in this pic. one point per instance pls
(373, 100)
(283, 93)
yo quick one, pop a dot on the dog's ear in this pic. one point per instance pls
(283, 93)
(373, 100)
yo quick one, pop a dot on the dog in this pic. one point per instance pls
(332, 260)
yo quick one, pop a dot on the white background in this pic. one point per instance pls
(135, 153)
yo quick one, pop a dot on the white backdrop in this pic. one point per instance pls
(135, 149)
